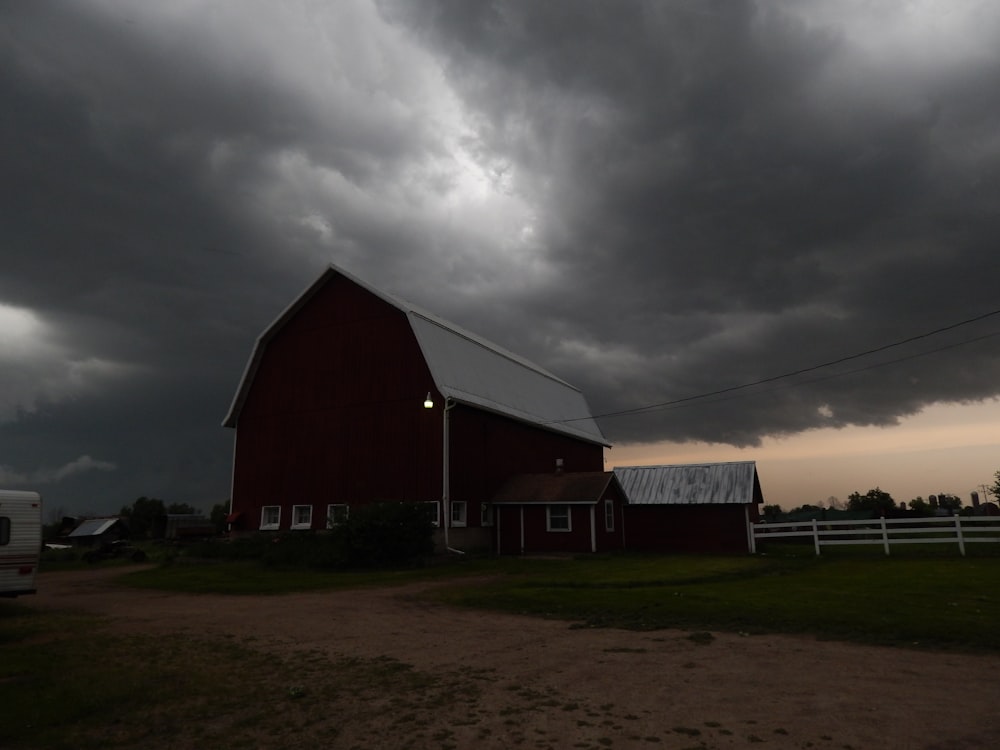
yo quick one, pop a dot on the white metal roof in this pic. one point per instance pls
(466, 368)
(94, 527)
(691, 484)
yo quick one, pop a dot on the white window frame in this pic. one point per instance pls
(263, 517)
(436, 514)
(485, 514)
(332, 514)
(296, 523)
(549, 515)
(459, 513)
(609, 515)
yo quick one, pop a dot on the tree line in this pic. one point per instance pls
(879, 502)
(142, 515)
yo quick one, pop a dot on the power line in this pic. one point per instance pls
(801, 371)
(845, 373)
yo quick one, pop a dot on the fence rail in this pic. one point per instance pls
(962, 530)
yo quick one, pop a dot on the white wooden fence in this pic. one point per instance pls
(962, 530)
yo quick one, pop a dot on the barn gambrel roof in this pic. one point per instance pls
(465, 368)
(733, 483)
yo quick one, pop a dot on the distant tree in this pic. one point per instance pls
(835, 503)
(875, 501)
(182, 509)
(218, 516)
(949, 502)
(995, 488)
(921, 507)
(807, 508)
(771, 512)
(141, 516)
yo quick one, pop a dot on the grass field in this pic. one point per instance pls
(913, 601)
(917, 599)
(59, 670)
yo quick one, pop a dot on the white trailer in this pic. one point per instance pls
(20, 541)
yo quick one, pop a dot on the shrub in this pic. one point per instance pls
(381, 535)
(385, 534)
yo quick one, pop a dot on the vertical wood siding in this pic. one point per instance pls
(335, 415)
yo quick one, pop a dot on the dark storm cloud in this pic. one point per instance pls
(732, 191)
(654, 200)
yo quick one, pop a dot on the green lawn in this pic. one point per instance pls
(912, 601)
(927, 601)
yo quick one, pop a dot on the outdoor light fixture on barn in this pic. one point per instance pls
(449, 404)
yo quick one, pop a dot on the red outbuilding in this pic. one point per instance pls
(691, 507)
(560, 512)
(354, 396)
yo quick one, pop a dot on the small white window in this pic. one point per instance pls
(485, 514)
(609, 515)
(458, 509)
(270, 517)
(336, 514)
(557, 518)
(302, 516)
(434, 511)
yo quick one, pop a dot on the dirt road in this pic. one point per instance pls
(613, 688)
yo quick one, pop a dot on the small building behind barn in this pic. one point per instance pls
(691, 507)
(98, 531)
(559, 513)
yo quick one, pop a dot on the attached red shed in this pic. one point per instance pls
(330, 414)
(691, 507)
(560, 512)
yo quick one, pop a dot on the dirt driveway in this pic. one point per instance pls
(611, 688)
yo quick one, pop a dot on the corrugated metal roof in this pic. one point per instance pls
(691, 484)
(94, 527)
(465, 367)
(571, 487)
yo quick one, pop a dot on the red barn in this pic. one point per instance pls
(331, 414)
(692, 507)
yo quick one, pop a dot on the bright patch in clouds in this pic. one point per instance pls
(36, 367)
(53, 475)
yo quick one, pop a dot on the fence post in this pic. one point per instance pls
(816, 537)
(885, 536)
(958, 533)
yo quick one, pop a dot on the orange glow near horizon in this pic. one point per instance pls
(945, 448)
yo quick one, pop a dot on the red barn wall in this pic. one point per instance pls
(335, 415)
(687, 528)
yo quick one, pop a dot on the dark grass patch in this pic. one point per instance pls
(926, 602)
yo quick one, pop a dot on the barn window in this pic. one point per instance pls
(434, 511)
(609, 515)
(485, 514)
(302, 516)
(458, 509)
(336, 514)
(557, 518)
(270, 517)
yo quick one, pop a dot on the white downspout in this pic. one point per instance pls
(449, 404)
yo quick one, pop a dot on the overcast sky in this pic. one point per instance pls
(654, 200)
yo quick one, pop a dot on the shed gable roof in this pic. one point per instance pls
(585, 487)
(691, 484)
(94, 527)
(465, 367)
